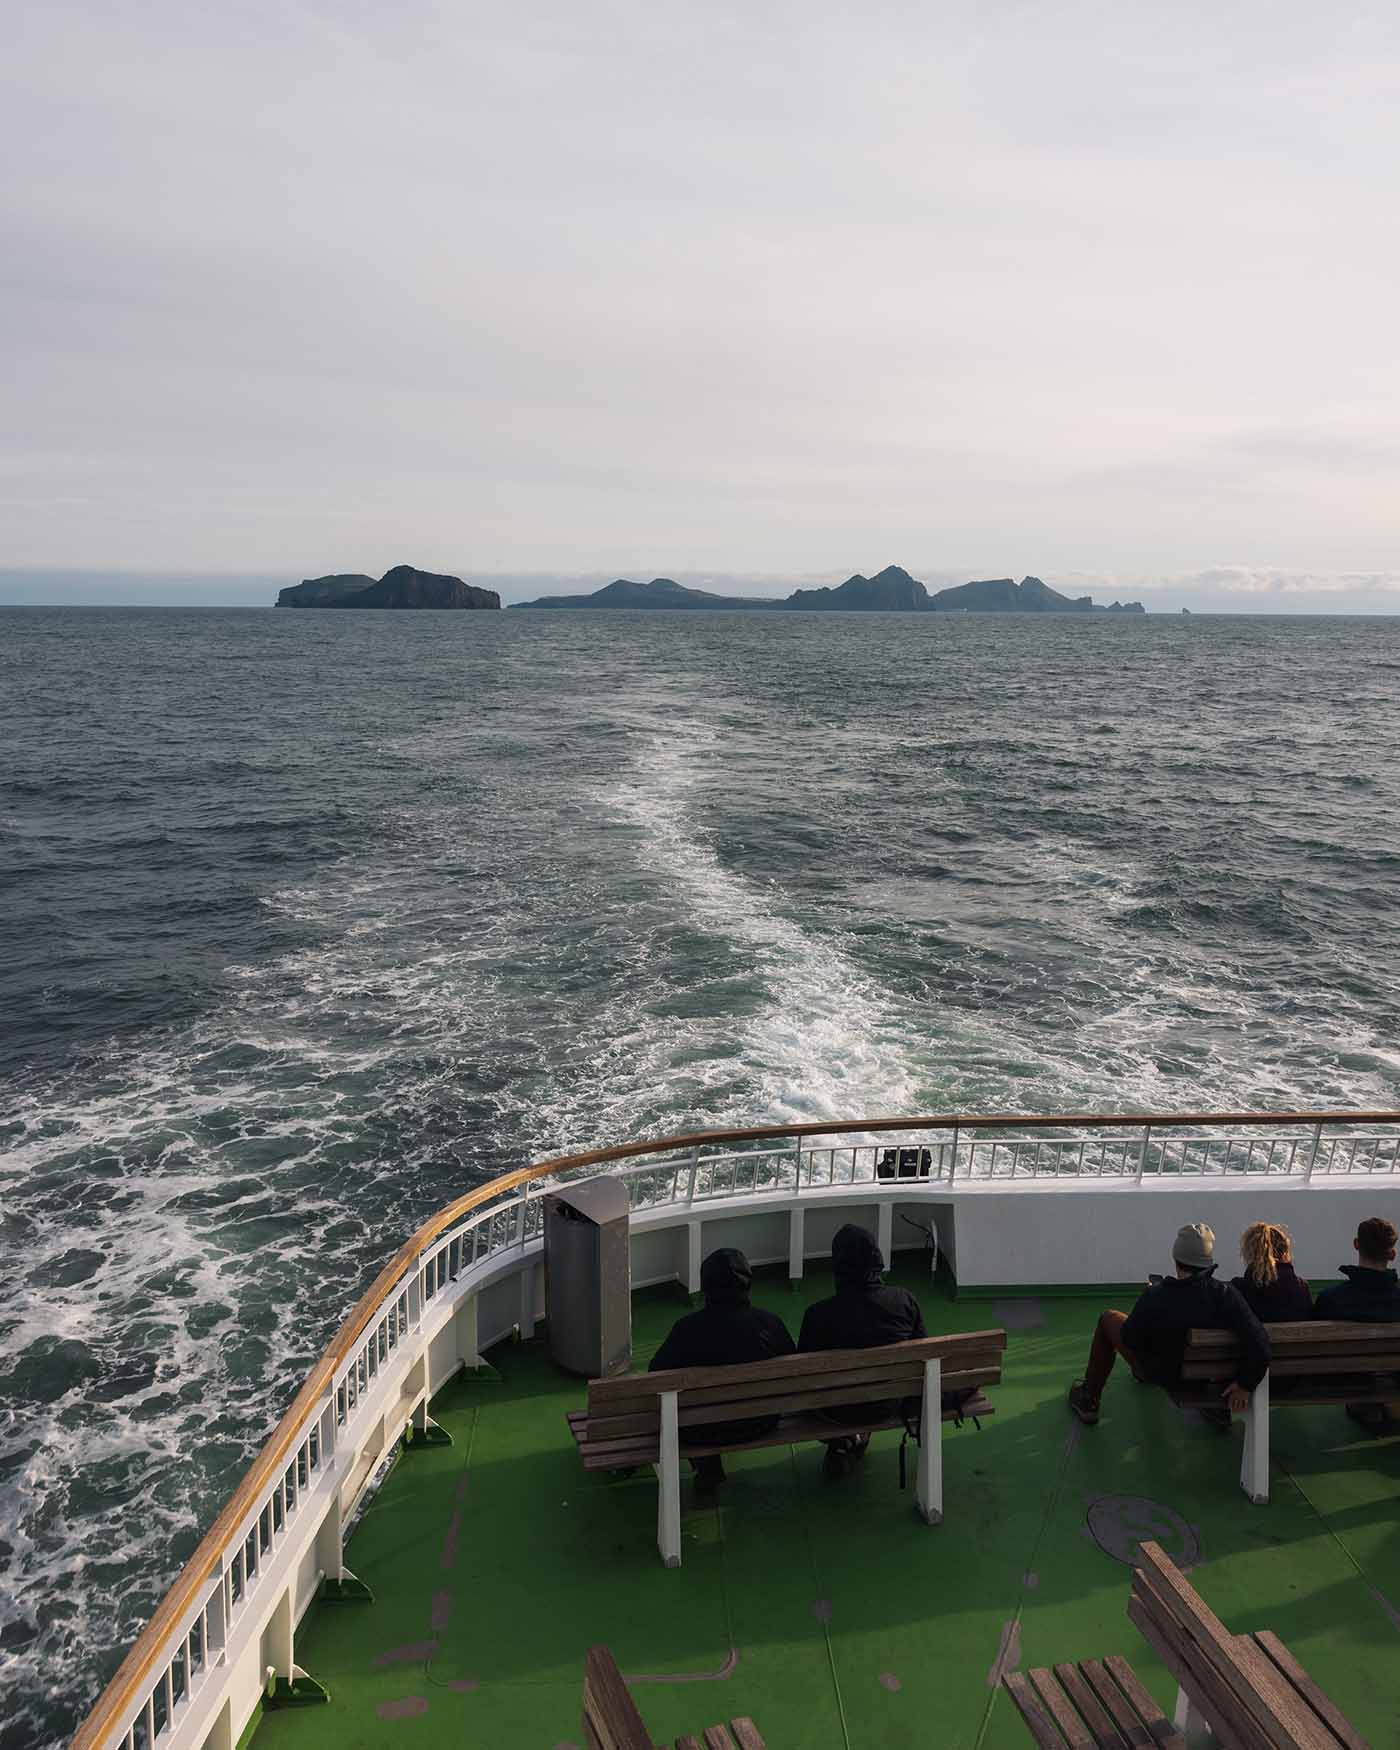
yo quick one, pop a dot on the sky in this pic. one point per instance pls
(757, 294)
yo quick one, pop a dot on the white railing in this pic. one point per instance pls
(281, 1533)
(1139, 1156)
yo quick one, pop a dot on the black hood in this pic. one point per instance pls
(855, 1258)
(726, 1278)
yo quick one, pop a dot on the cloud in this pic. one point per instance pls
(306, 288)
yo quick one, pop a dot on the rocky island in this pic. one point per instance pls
(661, 592)
(890, 591)
(402, 587)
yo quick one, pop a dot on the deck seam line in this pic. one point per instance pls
(1068, 1451)
(438, 1682)
(1377, 1596)
(817, 1584)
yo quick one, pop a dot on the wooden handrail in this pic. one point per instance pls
(136, 1669)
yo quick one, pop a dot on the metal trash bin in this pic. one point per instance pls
(588, 1277)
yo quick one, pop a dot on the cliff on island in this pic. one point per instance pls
(401, 587)
(999, 595)
(661, 592)
(891, 591)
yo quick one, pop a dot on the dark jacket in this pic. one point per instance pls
(863, 1313)
(724, 1332)
(1285, 1300)
(1367, 1297)
(1157, 1327)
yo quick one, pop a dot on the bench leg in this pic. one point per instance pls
(930, 1487)
(668, 1476)
(1191, 1724)
(1254, 1468)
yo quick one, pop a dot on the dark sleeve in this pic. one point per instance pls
(1322, 1307)
(672, 1351)
(810, 1336)
(1139, 1323)
(777, 1337)
(1254, 1363)
(918, 1312)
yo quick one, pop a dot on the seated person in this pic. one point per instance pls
(723, 1332)
(1371, 1293)
(1369, 1296)
(862, 1314)
(1270, 1287)
(1152, 1338)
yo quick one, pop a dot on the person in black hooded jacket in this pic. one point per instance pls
(862, 1314)
(725, 1332)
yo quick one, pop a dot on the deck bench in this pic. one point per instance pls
(641, 1418)
(1096, 1703)
(611, 1720)
(1242, 1692)
(1318, 1361)
(1247, 1691)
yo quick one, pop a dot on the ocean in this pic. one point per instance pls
(312, 921)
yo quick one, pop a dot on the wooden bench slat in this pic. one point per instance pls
(1057, 1704)
(1294, 1364)
(882, 1381)
(786, 1367)
(1106, 1735)
(1299, 1333)
(1119, 1709)
(1194, 1397)
(1264, 1695)
(779, 1403)
(1317, 1699)
(746, 1734)
(1163, 1732)
(1230, 1724)
(609, 1713)
(1027, 1703)
(696, 1408)
(1237, 1672)
(794, 1431)
(611, 1720)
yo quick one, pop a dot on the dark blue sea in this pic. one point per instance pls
(310, 921)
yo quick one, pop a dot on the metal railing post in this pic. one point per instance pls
(1142, 1152)
(1312, 1153)
(694, 1169)
(953, 1158)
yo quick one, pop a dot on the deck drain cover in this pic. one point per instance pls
(1119, 1523)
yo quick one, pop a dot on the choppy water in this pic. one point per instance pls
(311, 921)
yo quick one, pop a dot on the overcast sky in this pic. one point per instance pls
(1097, 291)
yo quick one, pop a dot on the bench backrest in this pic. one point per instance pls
(1244, 1696)
(792, 1384)
(610, 1717)
(1313, 1346)
(611, 1720)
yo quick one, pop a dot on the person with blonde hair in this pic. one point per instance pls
(1271, 1288)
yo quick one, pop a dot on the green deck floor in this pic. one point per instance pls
(824, 1608)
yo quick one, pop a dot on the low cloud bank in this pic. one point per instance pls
(1246, 589)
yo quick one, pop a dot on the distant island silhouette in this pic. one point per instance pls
(401, 587)
(892, 590)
